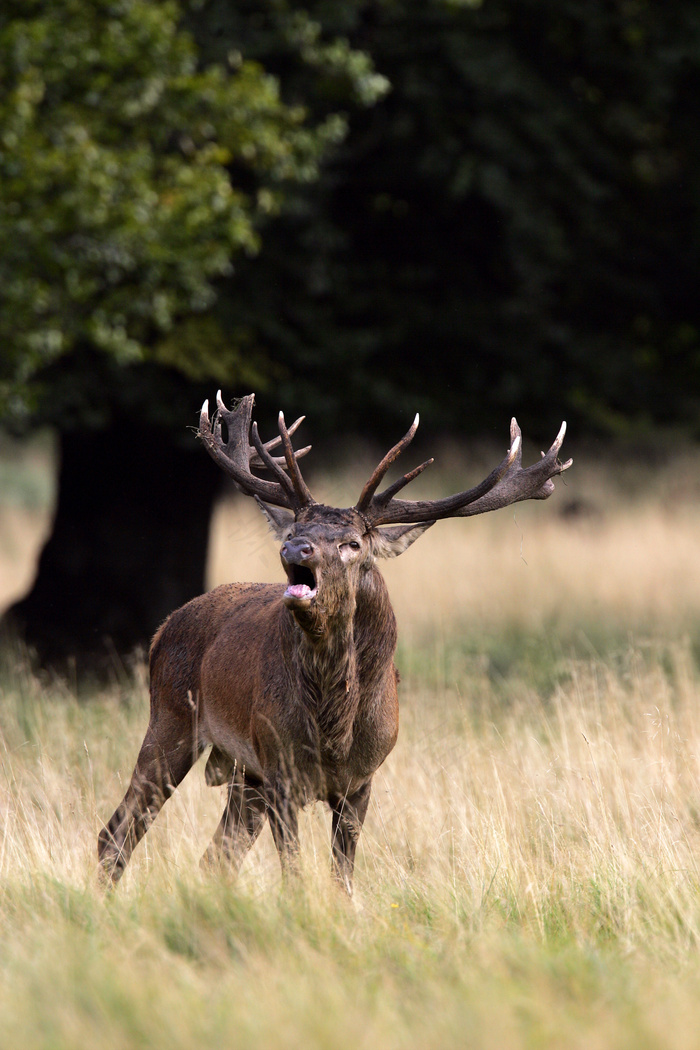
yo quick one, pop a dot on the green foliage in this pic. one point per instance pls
(27, 473)
(117, 210)
(467, 208)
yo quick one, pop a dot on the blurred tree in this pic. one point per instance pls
(131, 175)
(117, 210)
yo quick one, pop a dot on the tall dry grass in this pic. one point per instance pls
(528, 873)
(621, 546)
(527, 877)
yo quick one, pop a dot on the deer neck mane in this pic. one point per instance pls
(335, 668)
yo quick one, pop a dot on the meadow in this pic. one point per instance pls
(529, 872)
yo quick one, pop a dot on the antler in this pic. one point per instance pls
(237, 457)
(508, 483)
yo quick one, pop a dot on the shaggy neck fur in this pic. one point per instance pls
(340, 669)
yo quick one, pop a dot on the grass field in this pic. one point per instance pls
(529, 874)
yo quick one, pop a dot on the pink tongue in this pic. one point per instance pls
(299, 590)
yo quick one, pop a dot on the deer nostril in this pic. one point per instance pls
(296, 549)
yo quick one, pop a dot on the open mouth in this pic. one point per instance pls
(301, 584)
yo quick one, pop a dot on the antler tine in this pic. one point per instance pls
(388, 494)
(507, 484)
(380, 470)
(236, 455)
(259, 464)
(516, 434)
(271, 463)
(294, 484)
(520, 483)
(275, 442)
(556, 445)
(551, 456)
(300, 486)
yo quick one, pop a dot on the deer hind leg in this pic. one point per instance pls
(240, 825)
(348, 817)
(168, 752)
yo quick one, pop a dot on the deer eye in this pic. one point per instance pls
(354, 545)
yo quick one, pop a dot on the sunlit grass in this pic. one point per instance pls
(529, 872)
(610, 555)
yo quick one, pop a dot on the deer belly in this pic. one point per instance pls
(231, 753)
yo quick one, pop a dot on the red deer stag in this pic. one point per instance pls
(294, 684)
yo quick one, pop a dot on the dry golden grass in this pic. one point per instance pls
(529, 871)
(527, 876)
(23, 531)
(27, 480)
(618, 543)
(594, 551)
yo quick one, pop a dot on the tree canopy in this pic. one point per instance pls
(374, 205)
(358, 208)
(118, 208)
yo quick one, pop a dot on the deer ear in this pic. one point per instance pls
(389, 543)
(278, 520)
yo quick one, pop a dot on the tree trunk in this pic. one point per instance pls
(128, 546)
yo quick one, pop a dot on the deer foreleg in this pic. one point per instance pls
(348, 817)
(240, 825)
(283, 811)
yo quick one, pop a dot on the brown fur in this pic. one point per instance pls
(294, 689)
(298, 700)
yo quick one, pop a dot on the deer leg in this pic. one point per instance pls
(167, 754)
(240, 825)
(348, 817)
(283, 811)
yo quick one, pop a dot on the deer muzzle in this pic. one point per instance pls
(296, 554)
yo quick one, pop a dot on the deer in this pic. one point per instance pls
(293, 685)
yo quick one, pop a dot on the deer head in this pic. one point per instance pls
(326, 551)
